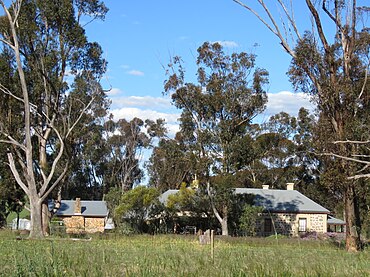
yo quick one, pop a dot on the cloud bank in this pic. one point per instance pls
(149, 107)
(227, 43)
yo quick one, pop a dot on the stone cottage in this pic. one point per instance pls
(81, 216)
(286, 212)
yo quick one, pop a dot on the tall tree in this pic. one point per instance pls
(216, 114)
(46, 41)
(127, 140)
(171, 164)
(335, 71)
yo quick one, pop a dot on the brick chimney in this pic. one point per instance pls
(289, 186)
(265, 186)
(78, 206)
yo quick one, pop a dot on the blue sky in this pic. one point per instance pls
(139, 38)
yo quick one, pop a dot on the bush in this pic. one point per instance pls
(248, 219)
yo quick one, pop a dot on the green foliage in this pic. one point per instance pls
(44, 114)
(182, 200)
(217, 112)
(171, 164)
(248, 219)
(137, 206)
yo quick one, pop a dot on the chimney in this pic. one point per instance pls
(78, 206)
(265, 186)
(289, 186)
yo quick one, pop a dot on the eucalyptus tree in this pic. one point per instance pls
(50, 60)
(216, 113)
(331, 62)
(127, 141)
(171, 164)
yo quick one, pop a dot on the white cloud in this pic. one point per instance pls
(143, 107)
(228, 43)
(135, 72)
(130, 113)
(124, 66)
(114, 91)
(141, 101)
(286, 101)
(171, 122)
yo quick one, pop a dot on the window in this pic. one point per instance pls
(268, 225)
(302, 224)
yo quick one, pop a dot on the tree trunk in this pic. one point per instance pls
(46, 216)
(225, 230)
(36, 217)
(353, 242)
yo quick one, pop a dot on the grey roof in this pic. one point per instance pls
(276, 200)
(273, 200)
(335, 221)
(88, 208)
(164, 196)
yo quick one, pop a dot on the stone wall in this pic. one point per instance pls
(74, 224)
(318, 223)
(94, 224)
(287, 223)
(79, 224)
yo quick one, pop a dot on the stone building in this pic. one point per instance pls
(81, 216)
(286, 212)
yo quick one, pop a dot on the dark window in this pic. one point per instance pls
(302, 224)
(268, 225)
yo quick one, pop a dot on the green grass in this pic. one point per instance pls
(176, 256)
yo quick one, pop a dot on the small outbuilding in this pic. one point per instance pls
(83, 216)
(336, 225)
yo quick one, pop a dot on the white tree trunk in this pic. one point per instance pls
(224, 228)
(36, 217)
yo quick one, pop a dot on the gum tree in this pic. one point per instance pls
(216, 114)
(46, 44)
(331, 62)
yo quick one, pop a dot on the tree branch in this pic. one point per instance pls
(351, 141)
(56, 183)
(16, 174)
(320, 30)
(275, 30)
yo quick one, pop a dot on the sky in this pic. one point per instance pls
(140, 37)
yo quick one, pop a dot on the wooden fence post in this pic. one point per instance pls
(212, 245)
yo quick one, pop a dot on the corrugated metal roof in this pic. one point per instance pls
(88, 208)
(276, 200)
(335, 221)
(164, 196)
(273, 200)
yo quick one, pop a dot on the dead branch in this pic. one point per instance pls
(274, 29)
(352, 141)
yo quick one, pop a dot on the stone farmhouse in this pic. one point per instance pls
(80, 216)
(285, 212)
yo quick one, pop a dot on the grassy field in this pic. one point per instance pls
(177, 256)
